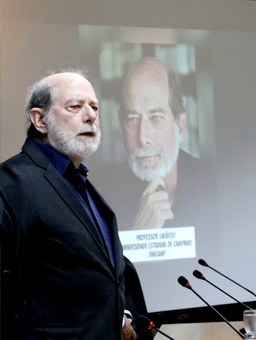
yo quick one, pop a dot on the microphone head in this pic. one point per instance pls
(145, 322)
(184, 282)
(203, 263)
(198, 275)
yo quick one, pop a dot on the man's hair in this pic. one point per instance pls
(175, 95)
(43, 95)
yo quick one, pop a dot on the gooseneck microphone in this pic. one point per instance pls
(205, 264)
(200, 276)
(184, 282)
(145, 322)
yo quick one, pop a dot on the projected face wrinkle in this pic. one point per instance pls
(151, 133)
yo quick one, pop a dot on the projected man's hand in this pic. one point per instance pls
(154, 208)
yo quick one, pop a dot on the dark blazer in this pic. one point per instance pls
(56, 261)
(135, 301)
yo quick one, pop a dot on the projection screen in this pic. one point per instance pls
(213, 200)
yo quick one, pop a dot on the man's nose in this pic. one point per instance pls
(89, 114)
(144, 131)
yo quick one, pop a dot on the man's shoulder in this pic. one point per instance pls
(29, 154)
(187, 159)
(19, 169)
(12, 165)
(189, 169)
(12, 161)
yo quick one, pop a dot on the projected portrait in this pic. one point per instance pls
(152, 119)
(158, 126)
(155, 174)
(164, 190)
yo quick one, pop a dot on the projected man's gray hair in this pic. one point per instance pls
(175, 94)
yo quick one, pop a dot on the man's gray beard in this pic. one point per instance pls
(72, 147)
(145, 171)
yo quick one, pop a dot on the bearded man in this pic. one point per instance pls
(152, 119)
(63, 265)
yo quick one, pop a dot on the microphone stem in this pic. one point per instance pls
(222, 317)
(162, 333)
(241, 303)
(232, 281)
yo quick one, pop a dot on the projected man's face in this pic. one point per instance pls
(151, 134)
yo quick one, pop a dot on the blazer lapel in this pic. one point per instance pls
(65, 191)
(110, 218)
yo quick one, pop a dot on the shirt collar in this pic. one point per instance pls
(58, 160)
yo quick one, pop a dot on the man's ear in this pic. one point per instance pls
(182, 122)
(37, 118)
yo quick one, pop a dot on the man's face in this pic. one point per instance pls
(152, 136)
(73, 123)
